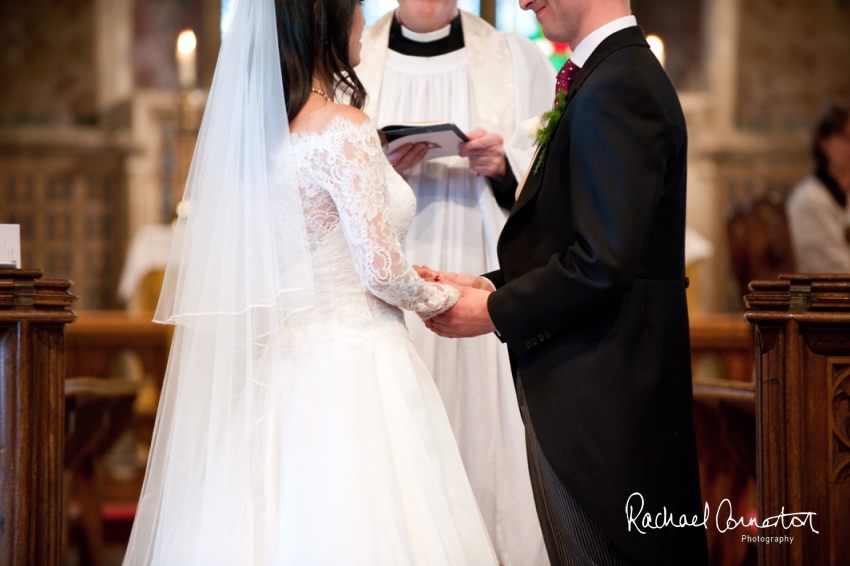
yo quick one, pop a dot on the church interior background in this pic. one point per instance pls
(98, 119)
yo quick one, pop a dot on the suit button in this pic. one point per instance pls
(541, 337)
(546, 334)
(528, 344)
(534, 341)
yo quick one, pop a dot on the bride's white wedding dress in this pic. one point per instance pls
(354, 462)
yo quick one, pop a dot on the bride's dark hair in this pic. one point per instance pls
(313, 38)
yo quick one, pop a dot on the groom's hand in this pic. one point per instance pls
(469, 317)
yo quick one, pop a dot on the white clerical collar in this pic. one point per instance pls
(426, 37)
(589, 44)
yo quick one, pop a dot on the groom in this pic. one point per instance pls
(590, 300)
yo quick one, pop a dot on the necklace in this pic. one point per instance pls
(321, 92)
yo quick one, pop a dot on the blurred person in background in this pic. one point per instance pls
(817, 207)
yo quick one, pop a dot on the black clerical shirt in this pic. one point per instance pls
(407, 46)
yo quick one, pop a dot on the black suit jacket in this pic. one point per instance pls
(591, 301)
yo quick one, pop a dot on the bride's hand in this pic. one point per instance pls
(426, 272)
(455, 279)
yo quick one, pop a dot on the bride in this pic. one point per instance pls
(297, 424)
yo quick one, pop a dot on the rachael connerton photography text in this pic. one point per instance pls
(724, 519)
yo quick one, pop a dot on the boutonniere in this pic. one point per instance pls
(534, 125)
(546, 127)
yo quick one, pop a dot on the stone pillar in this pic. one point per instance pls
(113, 52)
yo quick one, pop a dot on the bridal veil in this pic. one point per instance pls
(239, 266)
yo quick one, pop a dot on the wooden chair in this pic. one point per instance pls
(760, 243)
(97, 412)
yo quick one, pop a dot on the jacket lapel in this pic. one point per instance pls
(628, 37)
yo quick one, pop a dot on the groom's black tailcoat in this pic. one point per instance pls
(591, 301)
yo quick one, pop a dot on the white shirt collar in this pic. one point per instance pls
(426, 37)
(589, 44)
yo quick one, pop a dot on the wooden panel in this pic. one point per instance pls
(48, 403)
(838, 441)
(71, 205)
(14, 399)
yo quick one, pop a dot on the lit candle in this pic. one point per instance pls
(187, 73)
(657, 47)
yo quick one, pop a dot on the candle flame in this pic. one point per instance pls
(657, 46)
(186, 42)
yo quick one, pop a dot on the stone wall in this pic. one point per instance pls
(47, 63)
(793, 55)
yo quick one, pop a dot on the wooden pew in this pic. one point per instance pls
(724, 416)
(97, 337)
(33, 313)
(100, 396)
(724, 404)
(729, 338)
(803, 416)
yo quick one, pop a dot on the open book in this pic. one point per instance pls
(442, 138)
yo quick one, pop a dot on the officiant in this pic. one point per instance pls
(429, 61)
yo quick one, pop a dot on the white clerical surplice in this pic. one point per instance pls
(494, 82)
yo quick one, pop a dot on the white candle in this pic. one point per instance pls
(657, 46)
(187, 73)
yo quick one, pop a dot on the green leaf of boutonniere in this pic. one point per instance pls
(550, 119)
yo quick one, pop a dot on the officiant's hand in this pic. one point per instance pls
(486, 153)
(407, 156)
(469, 317)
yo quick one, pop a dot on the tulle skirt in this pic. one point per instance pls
(353, 462)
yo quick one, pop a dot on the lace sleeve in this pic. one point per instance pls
(353, 169)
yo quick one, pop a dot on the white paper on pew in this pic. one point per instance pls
(10, 245)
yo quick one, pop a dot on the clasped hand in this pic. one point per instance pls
(469, 316)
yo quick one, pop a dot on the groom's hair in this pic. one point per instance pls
(313, 39)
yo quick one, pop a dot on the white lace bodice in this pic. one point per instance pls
(357, 210)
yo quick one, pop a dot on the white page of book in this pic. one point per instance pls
(442, 144)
